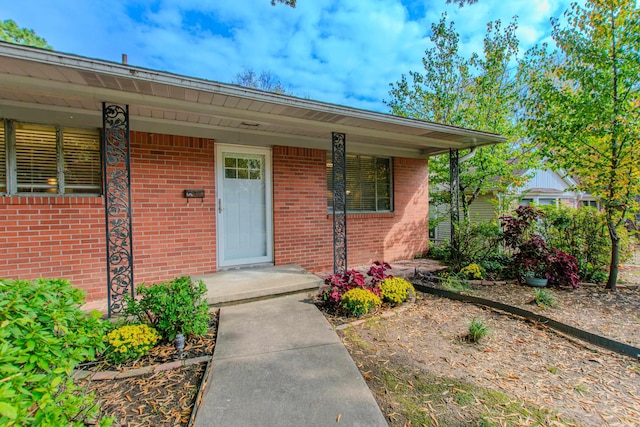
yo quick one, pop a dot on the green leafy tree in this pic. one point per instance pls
(10, 32)
(583, 106)
(480, 92)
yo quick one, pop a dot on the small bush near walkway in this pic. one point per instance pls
(44, 335)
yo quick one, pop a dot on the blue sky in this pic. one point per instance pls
(339, 51)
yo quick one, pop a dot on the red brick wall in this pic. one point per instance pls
(54, 237)
(172, 236)
(303, 232)
(65, 236)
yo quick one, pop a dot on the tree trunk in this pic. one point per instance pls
(615, 256)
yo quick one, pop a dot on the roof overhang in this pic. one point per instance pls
(52, 87)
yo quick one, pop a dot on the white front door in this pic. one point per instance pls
(244, 219)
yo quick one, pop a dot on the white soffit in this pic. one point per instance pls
(37, 83)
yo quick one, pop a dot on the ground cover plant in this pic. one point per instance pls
(545, 299)
(44, 335)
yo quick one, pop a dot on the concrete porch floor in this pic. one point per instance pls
(240, 285)
(252, 283)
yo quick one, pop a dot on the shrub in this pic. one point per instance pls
(358, 301)
(44, 335)
(532, 255)
(441, 252)
(545, 299)
(396, 290)
(496, 264)
(477, 330)
(477, 241)
(473, 271)
(582, 233)
(338, 284)
(130, 342)
(174, 307)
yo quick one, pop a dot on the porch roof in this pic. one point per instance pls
(48, 86)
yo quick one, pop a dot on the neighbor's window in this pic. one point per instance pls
(369, 184)
(50, 159)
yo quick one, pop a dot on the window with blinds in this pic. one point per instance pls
(369, 184)
(50, 159)
(36, 158)
(82, 169)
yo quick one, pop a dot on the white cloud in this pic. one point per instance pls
(338, 51)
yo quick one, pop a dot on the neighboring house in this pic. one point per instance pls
(113, 174)
(545, 187)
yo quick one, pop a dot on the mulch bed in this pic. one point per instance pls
(582, 384)
(163, 398)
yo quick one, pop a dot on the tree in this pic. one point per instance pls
(481, 93)
(10, 32)
(583, 106)
(266, 81)
(290, 3)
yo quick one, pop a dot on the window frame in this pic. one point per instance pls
(362, 211)
(12, 187)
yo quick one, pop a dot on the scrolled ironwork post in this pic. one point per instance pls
(117, 190)
(339, 160)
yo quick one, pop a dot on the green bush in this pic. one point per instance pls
(358, 301)
(583, 233)
(130, 342)
(174, 307)
(396, 290)
(44, 335)
(477, 242)
(496, 264)
(440, 252)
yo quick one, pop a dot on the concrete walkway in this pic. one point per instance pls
(278, 362)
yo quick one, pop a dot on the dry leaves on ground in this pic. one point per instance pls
(164, 398)
(525, 361)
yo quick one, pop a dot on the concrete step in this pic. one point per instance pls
(248, 284)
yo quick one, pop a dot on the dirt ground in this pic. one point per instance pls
(581, 385)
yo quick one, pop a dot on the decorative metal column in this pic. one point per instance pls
(454, 188)
(116, 168)
(339, 160)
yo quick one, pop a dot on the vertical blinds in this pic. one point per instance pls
(368, 183)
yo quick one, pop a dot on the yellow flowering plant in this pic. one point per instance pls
(130, 342)
(473, 271)
(359, 301)
(396, 290)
